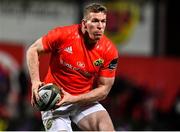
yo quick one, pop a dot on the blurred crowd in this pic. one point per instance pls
(16, 112)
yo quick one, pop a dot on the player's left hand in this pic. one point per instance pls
(66, 99)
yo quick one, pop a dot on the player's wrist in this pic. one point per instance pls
(77, 99)
(36, 85)
(35, 81)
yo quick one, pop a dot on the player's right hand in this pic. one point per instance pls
(34, 95)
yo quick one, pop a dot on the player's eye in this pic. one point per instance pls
(103, 21)
(95, 20)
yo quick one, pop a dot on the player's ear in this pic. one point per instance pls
(84, 23)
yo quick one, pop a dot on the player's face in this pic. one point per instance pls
(95, 24)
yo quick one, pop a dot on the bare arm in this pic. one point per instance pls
(32, 57)
(97, 94)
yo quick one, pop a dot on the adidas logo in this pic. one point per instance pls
(68, 49)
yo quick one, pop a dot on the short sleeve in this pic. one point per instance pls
(110, 62)
(52, 38)
(55, 37)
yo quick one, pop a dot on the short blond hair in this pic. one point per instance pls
(94, 7)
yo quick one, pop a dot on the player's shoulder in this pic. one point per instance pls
(68, 28)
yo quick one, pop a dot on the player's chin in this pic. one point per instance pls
(97, 37)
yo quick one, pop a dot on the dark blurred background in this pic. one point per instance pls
(146, 92)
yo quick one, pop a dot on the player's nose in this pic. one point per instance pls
(100, 25)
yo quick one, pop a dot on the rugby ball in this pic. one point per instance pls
(49, 95)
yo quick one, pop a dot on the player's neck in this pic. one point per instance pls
(87, 39)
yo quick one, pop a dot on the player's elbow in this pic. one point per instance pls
(104, 94)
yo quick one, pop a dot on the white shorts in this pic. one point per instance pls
(60, 119)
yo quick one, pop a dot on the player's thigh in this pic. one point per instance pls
(93, 117)
(98, 121)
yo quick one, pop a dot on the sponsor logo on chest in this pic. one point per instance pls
(79, 69)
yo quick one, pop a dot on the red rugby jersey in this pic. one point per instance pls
(73, 65)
